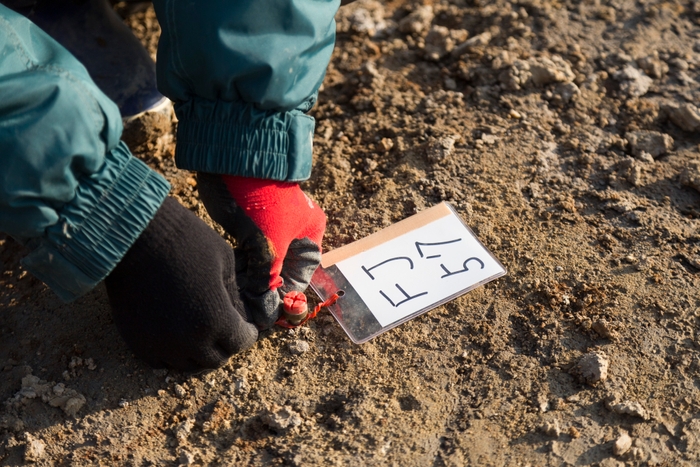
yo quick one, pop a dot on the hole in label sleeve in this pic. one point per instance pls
(340, 293)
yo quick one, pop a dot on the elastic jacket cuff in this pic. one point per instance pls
(96, 229)
(236, 138)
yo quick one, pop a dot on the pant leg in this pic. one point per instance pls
(69, 188)
(243, 74)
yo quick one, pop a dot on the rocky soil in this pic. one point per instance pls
(565, 133)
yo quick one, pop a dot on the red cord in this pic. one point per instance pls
(285, 324)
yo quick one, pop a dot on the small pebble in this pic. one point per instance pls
(179, 391)
(551, 429)
(593, 367)
(627, 407)
(603, 329)
(281, 418)
(386, 144)
(622, 444)
(240, 386)
(298, 347)
(489, 139)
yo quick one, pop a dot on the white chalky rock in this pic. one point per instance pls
(241, 386)
(633, 82)
(34, 450)
(299, 347)
(179, 391)
(622, 444)
(362, 21)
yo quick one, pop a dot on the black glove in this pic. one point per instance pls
(174, 295)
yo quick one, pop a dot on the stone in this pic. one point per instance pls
(686, 116)
(362, 21)
(386, 144)
(604, 330)
(438, 43)
(690, 176)
(516, 76)
(622, 444)
(281, 418)
(56, 395)
(417, 21)
(11, 422)
(653, 67)
(150, 130)
(477, 41)
(240, 386)
(183, 430)
(633, 82)
(489, 139)
(679, 64)
(441, 149)
(551, 429)
(567, 91)
(70, 403)
(179, 391)
(646, 157)
(298, 347)
(34, 450)
(364, 18)
(626, 407)
(593, 368)
(631, 170)
(545, 71)
(650, 142)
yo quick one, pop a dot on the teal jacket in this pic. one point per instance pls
(242, 76)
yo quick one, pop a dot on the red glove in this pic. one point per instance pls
(278, 230)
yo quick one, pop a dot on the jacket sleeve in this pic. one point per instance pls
(243, 74)
(69, 189)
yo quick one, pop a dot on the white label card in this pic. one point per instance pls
(418, 269)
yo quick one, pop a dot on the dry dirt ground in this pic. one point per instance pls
(565, 133)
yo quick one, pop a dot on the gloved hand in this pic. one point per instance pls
(174, 294)
(278, 230)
